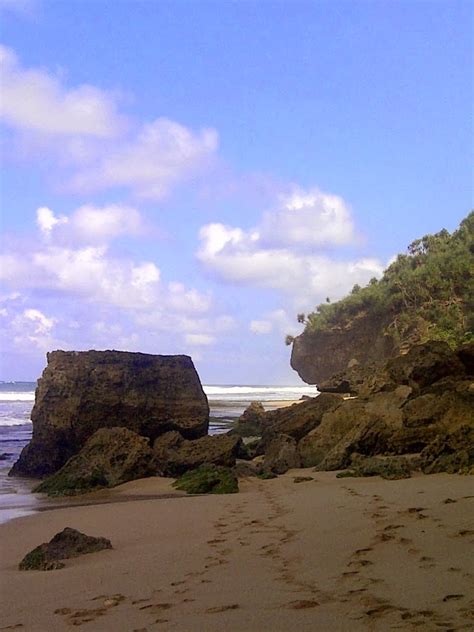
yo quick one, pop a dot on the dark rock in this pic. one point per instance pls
(208, 479)
(66, 544)
(281, 455)
(81, 392)
(466, 355)
(451, 452)
(110, 457)
(425, 364)
(245, 469)
(391, 468)
(175, 455)
(4, 456)
(316, 356)
(302, 479)
(251, 422)
(299, 419)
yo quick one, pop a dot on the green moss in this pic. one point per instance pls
(266, 475)
(62, 484)
(390, 469)
(208, 479)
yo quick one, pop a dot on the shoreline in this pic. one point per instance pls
(326, 554)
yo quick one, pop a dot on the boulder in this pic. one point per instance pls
(388, 467)
(297, 420)
(80, 392)
(174, 455)
(281, 455)
(251, 422)
(208, 479)
(451, 452)
(110, 457)
(66, 544)
(425, 364)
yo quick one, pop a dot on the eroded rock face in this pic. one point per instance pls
(174, 455)
(66, 544)
(80, 392)
(110, 457)
(281, 455)
(319, 355)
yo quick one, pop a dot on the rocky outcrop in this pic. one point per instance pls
(80, 392)
(208, 479)
(110, 457)
(251, 422)
(317, 356)
(66, 544)
(298, 419)
(174, 455)
(281, 455)
(420, 403)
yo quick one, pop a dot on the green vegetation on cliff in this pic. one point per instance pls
(427, 293)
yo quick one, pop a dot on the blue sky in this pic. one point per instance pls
(185, 177)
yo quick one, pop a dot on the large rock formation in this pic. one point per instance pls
(175, 455)
(420, 403)
(81, 392)
(110, 457)
(316, 356)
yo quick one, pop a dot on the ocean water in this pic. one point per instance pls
(226, 402)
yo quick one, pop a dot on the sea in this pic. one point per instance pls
(226, 402)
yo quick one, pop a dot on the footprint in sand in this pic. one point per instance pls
(15, 626)
(154, 608)
(302, 604)
(453, 597)
(217, 609)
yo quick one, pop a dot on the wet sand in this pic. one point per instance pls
(325, 554)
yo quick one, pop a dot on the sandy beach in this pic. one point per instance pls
(324, 554)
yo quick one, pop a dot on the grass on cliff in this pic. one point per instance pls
(427, 293)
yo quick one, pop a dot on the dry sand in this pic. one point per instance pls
(322, 555)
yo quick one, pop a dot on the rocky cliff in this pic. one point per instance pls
(425, 294)
(80, 392)
(317, 355)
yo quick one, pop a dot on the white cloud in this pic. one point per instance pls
(199, 340)
(35, 100)
(91, 145)
(261, 327)
(90, 224)
(163, 153)
(308, 218)
(275, 253)
(33, 327)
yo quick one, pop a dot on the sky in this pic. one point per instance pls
(188, 176)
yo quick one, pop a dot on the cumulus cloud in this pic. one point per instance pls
(275, 254)
(261, 327)
(90, 224)
(199, 340)
(163, 153)
(100, 299)
(311, 218)
(35, 100)
(81, 131)
(32, 327)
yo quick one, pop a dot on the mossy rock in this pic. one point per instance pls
(208, 479)
(390, 468)
(66, 484)
(64, 545)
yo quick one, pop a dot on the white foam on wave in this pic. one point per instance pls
(16, 396)
(14, 421)
(258, 392)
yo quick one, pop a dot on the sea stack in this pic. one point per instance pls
(80, 392)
